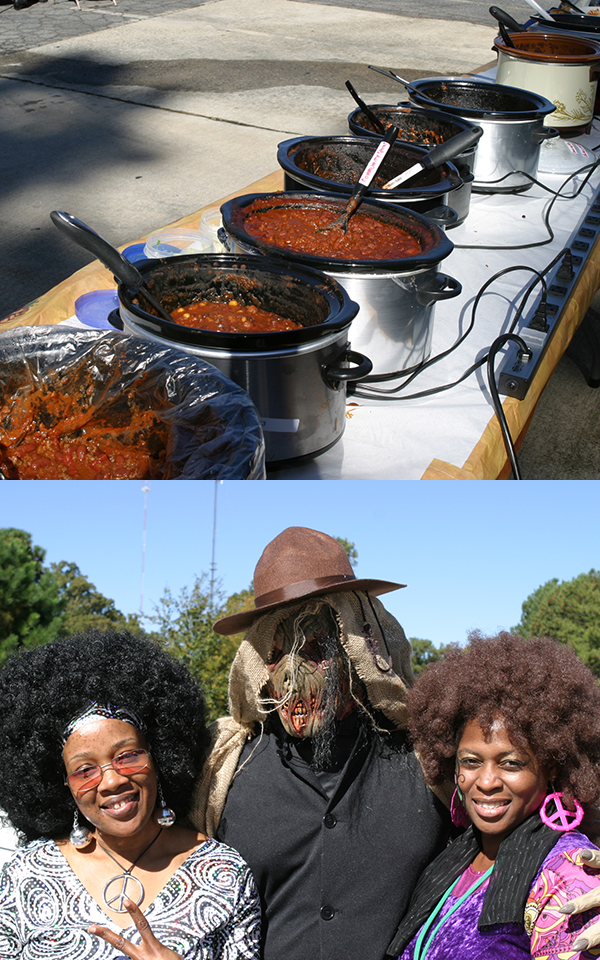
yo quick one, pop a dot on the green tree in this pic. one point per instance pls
(568, 610)
(350, 549)
(30, 605)
(423, 653)
(84, 606)
(184, 624)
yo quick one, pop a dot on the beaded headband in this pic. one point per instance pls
(105, 711)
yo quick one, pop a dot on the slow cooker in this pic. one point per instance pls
(396, 296)
(297, 378)
(424, 128)
(512, 121)
(334, 165)
(558, 66)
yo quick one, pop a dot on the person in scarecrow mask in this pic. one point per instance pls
(312, 777)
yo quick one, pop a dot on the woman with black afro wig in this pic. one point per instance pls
(102, 737)
(516, 724)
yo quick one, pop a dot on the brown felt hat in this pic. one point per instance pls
(300, 563)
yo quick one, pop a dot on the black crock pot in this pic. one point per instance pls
(424, 128)
(334, 165)
(396, 296)
(296, 378)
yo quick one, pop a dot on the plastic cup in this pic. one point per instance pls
(173, 243)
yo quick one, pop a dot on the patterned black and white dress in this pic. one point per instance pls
(208, 910)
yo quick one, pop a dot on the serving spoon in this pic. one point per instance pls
(394, 76)
(366, 109)
(122, 269)
(505, 19)
(574, 7)
(543, 13)
(356, 197)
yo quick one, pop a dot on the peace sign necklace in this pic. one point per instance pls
(121, 894)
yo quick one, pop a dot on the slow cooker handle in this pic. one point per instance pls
(334, 371)
(443, 216)
(544, 133)
(438, 286)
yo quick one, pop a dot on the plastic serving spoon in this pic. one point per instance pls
(341, 222)
(439, 155)
(366, 110)
(122, 269)
(505, 19)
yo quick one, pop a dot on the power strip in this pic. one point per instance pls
(515, 373)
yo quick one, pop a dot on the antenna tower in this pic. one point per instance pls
(145, 491)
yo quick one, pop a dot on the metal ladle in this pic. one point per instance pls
(574, 7)
(394, 76)
(122, 269)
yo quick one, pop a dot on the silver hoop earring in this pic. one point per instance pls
(79, 836)
(166, 816)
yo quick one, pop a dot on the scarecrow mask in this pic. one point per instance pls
(309, 673)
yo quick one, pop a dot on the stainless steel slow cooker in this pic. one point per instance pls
(297, 379)
(334, 165)
(397, 296)
(424, 128)
(512, 121)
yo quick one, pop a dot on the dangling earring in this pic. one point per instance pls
(562, 820)
(166, 817)
(79, 836)
(458, 814)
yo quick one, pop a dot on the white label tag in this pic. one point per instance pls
(271, 425)
(373, 164)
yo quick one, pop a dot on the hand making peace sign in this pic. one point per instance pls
(149, 949)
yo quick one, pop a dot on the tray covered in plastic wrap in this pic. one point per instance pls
(102, 405)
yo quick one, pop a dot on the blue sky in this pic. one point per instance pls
(470, 553)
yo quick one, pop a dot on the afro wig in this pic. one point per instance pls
(548, 699)
(42, 689)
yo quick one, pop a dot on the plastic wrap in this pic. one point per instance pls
(195, 423)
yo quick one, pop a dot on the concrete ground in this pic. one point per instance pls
(131, 115)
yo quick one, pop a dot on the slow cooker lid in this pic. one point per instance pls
(480, 100)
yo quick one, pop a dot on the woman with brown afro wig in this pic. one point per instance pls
(516, 724)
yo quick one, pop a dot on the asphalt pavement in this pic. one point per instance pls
(132, 115)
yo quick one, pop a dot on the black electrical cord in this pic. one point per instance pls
(381, 394)
(413, 371)
(590, 167)
(524, 351)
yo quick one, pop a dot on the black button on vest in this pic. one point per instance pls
(329, 820)
(327, 913)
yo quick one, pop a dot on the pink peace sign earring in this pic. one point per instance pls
(562, 819)
(458, 814)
